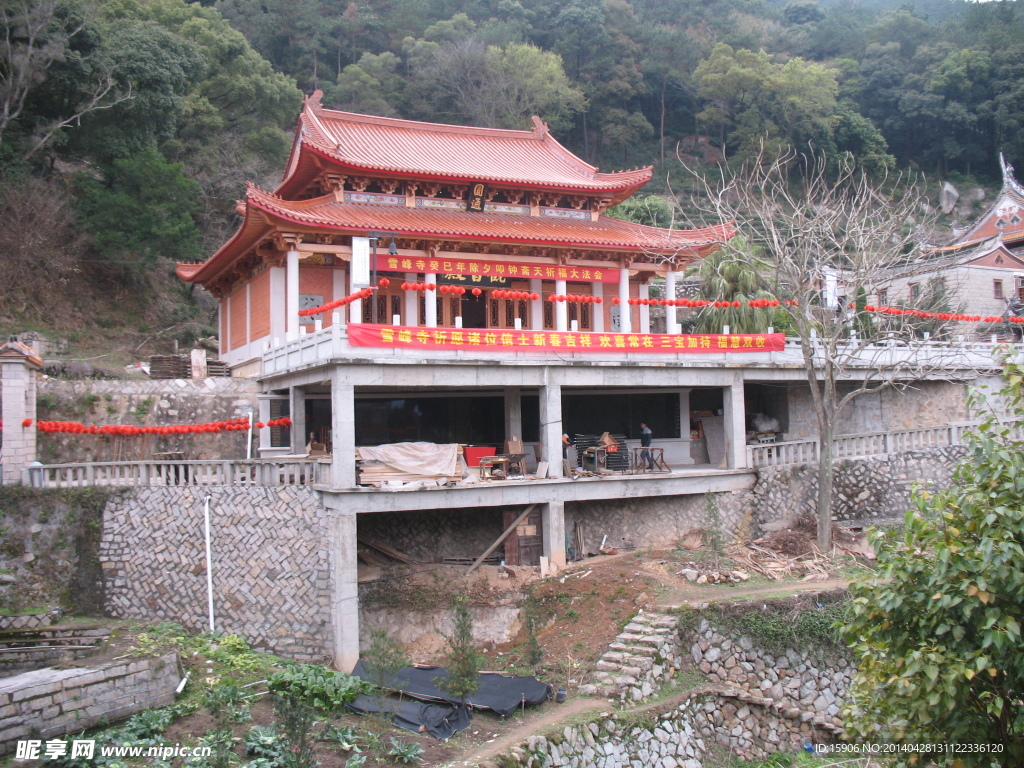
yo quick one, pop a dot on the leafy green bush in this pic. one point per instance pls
(324, 689)
(264, 741)
(407, 753)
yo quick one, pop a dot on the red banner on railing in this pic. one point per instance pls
(364, 335)
(508, 270)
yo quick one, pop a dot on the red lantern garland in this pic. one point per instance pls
(128, 430)
(365, 293)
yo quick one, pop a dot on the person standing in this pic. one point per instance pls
(645, 443)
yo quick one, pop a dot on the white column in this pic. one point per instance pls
(345, 573)
(431, 298)
(670, 293)
(248, 313)
(645, 311)
(338, 291)
(553, 530)
(597, 289)
(297, 398)
(278, 289)
(292, 295)
(735, 425)
(343, 433)
(513, 413)
(264, 417)
(226, 342)
(625, 313)
(551, 428)
(537, 307)
(561, 310)
(410, 302)
(18, 384)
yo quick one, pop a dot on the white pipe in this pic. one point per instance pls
(209, 564)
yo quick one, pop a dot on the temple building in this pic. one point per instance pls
(981, 267)
(412, 282)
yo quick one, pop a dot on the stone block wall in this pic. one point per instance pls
(52, 702)
(865, 491)
(429, 536)
(148, 402)
(272, 575)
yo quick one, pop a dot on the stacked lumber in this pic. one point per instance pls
(217, 368)
(373, 552)
(377, 474)
(170, 367)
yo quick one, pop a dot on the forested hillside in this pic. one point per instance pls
(127, 129)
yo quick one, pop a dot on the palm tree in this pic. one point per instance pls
(732, 274)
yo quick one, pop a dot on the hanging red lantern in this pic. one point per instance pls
(598, 300)
(616, 300)
(384, 282)
(535, 296)
(477, 292)
(431, 286)
(26, 423)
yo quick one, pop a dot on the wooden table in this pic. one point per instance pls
(657, 459)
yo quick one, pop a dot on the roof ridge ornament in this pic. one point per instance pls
(540, 128)
(1008, 179)
(315, 102)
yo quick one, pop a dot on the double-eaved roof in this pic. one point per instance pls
(351, 148)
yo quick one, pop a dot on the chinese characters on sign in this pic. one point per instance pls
(480, 268)
(364, 335)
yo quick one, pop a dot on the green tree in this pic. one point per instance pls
(732, 275)
(384, 659)
(936, 630)
(142, 210)
(462, 659)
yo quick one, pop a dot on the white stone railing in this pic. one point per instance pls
(854, 446)
(304, 471)
(329, 343)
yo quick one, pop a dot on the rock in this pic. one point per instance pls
(689, 574)
(948, 198)
(713, 654)
(6, 578)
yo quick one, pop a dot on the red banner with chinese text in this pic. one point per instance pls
(365, 335)
(477, 267)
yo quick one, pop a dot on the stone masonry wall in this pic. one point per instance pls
(428, 536)
(865, 491)
(156, 402)
(271, 567)
(52, 702)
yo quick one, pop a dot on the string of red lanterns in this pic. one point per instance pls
(128, 430)
(576, 298)
(365, 293)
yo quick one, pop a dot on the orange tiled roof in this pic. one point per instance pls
(453, 152)
(266, 212)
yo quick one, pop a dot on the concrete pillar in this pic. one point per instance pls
(553, 525)
(625, 313)
(645, 311)
(561, 309)
(431, 298)
(345, 576)
(684, 428)
(513, 413)
(410, 302)
(292, 294)
(297, 397)
(537, 307)
(278, 311)
(670, 312)
(735, 425)
(263, 415)
(18, 366)
(551, 428)
(343, 433)
(597, 289)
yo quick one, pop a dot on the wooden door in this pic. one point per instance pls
(525, 544)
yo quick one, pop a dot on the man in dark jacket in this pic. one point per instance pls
(645, 442)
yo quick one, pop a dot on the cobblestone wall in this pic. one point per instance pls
(145, 402)
(865, 491)
(271, 564)
(53, 702)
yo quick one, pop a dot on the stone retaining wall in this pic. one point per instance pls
(53, 702)
(28, 620)
(27, 649)
(271, 566)
(866, 490)
(156, 402)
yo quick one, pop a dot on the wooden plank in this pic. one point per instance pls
(383, 548)
(501, 538)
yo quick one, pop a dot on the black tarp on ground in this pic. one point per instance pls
(441, 722)
(498, 693)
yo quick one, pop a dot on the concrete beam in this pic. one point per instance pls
(521, 493)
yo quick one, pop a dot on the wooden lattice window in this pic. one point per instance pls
(494, 313)
(423, 309)
(549, 314)
(524, 314)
